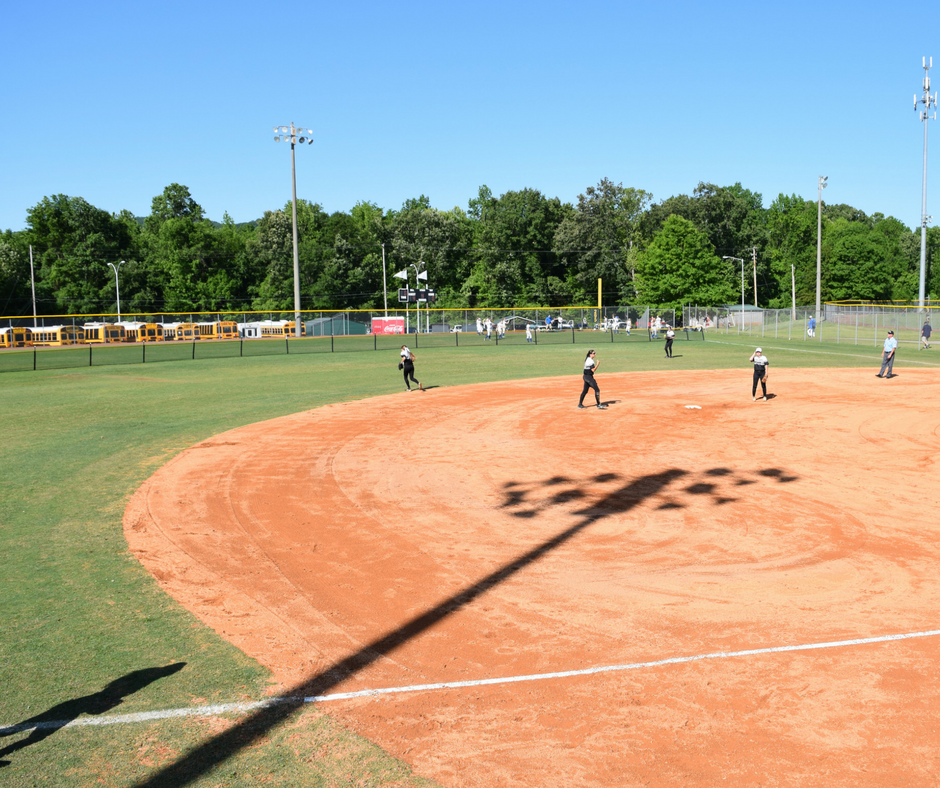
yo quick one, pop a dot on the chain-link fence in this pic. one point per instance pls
(857, 324)
(198, 336)
(195, 335)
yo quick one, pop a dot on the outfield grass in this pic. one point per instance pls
(77, 610)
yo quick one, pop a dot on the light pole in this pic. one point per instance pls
(927, 101)
(822, 185)
(740, 260)
(419, 275)
(117, 286)
(793, 292)
(384, 282)
(285, 133)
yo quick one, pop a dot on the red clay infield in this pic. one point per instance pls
(495, 531)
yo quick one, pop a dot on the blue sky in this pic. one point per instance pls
(112, 102)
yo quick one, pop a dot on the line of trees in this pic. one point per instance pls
(519, 249)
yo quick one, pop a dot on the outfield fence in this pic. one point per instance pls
(422, 319)
(856, 323)
(841, 323)
(21, 360)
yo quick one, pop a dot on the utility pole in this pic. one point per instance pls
(822, 185)
(793, 284)
(290, 133)
(32, 282)
(927, 100)
(384, 285)
(754, 259)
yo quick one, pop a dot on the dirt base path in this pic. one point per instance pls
(496, 531)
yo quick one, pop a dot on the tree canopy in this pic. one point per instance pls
(521, 248)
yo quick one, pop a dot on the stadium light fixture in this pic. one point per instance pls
(740, 260)
(117, 286)
(283, 134)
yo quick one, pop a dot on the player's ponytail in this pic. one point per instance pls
(589, 354)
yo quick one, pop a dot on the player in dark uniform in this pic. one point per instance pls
(407, 365)
(760, 373)
(590, 365)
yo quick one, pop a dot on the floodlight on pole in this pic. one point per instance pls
(928, 101)
(294, 135)
(740, 260)
(417, 278)
(117, 286)
(427, 309)
(822, 185)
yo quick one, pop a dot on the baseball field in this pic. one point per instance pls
(289, 571)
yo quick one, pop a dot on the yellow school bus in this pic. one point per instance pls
(59, 335)
(142, 332)
(100, 333)
(16, 337)
(220, 329)
(276, 328)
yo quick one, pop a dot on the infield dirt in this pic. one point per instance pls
(495, 530)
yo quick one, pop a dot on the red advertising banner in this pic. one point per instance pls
(388, 325)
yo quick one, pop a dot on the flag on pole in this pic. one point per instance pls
(402, 274)
(423, 275)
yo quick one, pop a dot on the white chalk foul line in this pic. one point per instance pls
(243, 708)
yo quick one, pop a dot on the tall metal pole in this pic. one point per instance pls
(117, 287)
(754, 259)
(417, 303)
(384, 284)
(927, 100)
(793, 284)
(32, 282)
(291, 133)
(822, 185)
(293, 184)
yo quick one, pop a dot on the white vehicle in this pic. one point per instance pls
(457, 330)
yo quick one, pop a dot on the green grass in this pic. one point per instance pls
(79, 612)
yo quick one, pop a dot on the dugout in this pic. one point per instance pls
(335, 326)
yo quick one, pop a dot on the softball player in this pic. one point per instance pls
(590, 367)
(760, 373)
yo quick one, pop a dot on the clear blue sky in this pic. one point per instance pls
(114, 101)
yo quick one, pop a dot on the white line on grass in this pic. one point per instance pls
(820, 352)
(242, 708)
